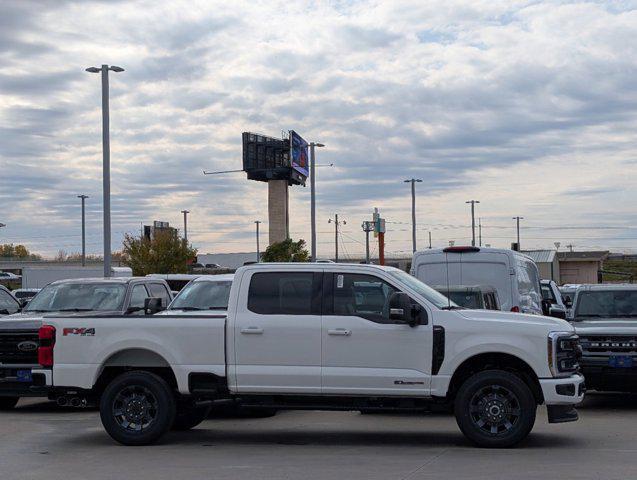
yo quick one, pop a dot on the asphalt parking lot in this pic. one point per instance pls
(39, 440)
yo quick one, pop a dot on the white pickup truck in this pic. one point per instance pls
(319, 336)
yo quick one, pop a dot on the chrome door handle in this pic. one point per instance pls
(252, 330)
(340, 331)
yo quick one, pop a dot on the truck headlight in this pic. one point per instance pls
(564, 353)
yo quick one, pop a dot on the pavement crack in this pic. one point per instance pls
(428, 462)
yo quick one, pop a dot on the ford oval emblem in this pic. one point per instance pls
(27, 346)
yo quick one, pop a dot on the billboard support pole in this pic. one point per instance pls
(381, 248)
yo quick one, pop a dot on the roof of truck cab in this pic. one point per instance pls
(607, 287)
(316, 266)
(115, 280)
(226, 277)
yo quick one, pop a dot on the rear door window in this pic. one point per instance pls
(281, 293)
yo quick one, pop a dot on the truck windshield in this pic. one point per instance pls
(606, 304)
(203, 296)
(425, 291)
(467, 299)
(78, 297)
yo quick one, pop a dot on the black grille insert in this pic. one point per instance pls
(16, 347)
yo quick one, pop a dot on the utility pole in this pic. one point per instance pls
(313, 198)
(367, 227)
(106, 162)
(83, 197)
(570, 246)
(517, 221)
(257, 223)
(336, 225)
(185, 212)
(473, 221)
(413, 182)
(430, 240)
(480, 230)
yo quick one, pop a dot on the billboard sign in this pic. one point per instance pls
(298, 154)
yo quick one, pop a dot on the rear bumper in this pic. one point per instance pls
(11, 384)
(563, 391)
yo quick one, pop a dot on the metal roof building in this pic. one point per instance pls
(547, 263)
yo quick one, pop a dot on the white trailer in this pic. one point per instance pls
(41, 276)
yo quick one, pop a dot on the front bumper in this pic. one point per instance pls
(11, 384)
(563, 391)
(602, 377)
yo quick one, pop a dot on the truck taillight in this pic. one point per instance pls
(515, 309)
(46, 335)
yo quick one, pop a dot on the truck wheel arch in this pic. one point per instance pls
(495, 361)
(133, 359)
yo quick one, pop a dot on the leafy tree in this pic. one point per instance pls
(286, 251)
(164, 253)
(9, 250)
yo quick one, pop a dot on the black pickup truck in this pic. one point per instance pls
(19, 333)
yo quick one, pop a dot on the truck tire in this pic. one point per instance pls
(189, 416)
(137, 408)
(495, 409)
(7, 403)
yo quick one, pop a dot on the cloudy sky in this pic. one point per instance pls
(527, 106)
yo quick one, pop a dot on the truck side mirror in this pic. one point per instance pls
(546, 307)
(401, 309)
(568, 303)
(557, 312)
(152, 305)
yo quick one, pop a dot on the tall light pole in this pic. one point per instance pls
(336, 225)
(367, 227)
(517, 221)
(473, 221)
(257, 223)
(413, 182)
(106, 162)
(480, 231)
(313, 197)
(83, 197)
(185, 212)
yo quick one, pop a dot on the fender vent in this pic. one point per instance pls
(438, 355)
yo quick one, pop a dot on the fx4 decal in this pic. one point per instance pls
(83, 332)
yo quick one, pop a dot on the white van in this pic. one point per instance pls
(514, 275)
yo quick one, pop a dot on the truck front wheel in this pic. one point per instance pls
(495, 409)
(137, 408)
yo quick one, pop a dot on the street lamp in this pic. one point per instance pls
(257, 223)
(106, 162)
(313, 197)
(185, 212)
(413, 182)
(83, 198)
(473, 221)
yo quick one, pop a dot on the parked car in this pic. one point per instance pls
(605, 318)
(207, 293)
(301, 336)
(471, 296)
(568, 297)
(25, 293)
(514, 275)
(176, 281)
(8, 303)
(75, 298)
(9, 276)
(552, 295)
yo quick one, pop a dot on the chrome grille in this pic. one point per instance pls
(607, 344)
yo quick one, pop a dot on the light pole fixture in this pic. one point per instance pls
(106, 162)
(313, 145)
(185, 212)
(257, 223)
(83, 198)
(517, 222)
(413, 182)
(473, 221)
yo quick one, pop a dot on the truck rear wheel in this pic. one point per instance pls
(495, 409)
(189, 416)
(7, 403)
(137, 408)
